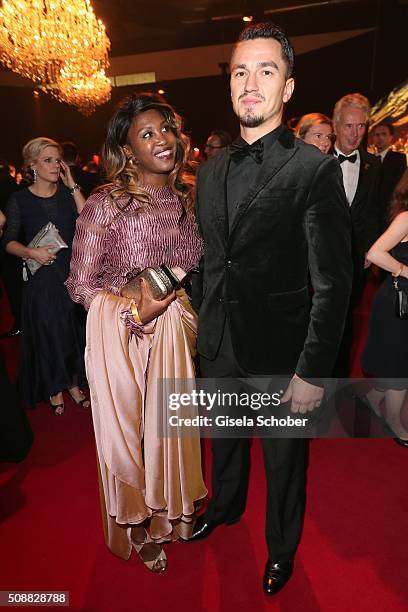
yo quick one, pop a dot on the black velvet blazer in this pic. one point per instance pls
(294, 221)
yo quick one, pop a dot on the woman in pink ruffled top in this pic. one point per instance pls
(149, 483)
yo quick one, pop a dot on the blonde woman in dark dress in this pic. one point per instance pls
(52, 342)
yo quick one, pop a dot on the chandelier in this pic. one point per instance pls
(85, 92)
(60, 45)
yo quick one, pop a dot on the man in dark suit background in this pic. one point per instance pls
(361, 177)
(271, 209)
(393, 165)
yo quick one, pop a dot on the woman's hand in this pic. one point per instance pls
(66, 175)
(42, 255)
(149, 308)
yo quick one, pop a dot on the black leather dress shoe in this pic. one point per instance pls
(11, 334)
(202, 529)
(276, 576)
(401, 442)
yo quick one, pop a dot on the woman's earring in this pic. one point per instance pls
(35, 174)
(131, 160)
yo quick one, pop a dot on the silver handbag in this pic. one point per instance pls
(48, 234)
(161, 281)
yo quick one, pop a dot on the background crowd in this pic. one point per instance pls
(375, 182)
(371, 170)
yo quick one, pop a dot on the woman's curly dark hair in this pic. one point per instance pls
(124, 178)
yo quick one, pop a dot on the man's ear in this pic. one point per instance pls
(288, 91)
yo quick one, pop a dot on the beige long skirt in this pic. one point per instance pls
(145, 477)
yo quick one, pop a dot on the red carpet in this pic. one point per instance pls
(353, 555)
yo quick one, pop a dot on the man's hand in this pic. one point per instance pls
(305, 397)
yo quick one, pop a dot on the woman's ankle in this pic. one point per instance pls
(57, 398)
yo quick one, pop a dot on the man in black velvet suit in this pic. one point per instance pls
(393, 166)
(361, 179)
(271, 210)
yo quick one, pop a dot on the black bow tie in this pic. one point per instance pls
(349, 158)
(255, 150)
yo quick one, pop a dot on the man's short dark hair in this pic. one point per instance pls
(387, 125)
(69, 152)
(270, 30)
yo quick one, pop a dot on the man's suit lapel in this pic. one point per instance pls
(363, 184)
(274, 159)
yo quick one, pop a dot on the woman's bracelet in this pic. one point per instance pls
(135, 314)
(74, 188)
(398, 272)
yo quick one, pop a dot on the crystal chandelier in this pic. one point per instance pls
(60, 45)
(85, 92)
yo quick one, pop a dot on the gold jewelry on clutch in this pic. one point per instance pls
(135, 313)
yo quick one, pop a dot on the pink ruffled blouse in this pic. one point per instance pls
(110, 246)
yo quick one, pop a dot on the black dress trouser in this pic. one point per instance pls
(285, 467)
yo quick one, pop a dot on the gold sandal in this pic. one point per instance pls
(82, 401)
(58, 409)
(152, 554)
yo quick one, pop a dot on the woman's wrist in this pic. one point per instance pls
(402, 271)
(399, 271)
(135, 313)
(132, 322)
(74, 188)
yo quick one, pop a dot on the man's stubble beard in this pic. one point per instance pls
(251, 121)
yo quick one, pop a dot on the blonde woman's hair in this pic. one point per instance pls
(125, 179)
(355, 100)
(33, 149)
(306, 122)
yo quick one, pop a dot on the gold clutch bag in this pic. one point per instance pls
(160, 281)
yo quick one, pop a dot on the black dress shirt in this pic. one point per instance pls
(242, 173)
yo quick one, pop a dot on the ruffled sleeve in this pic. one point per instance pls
(89, 250)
